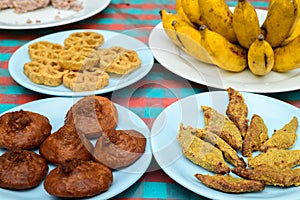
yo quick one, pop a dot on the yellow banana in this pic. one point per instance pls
(245, 23)
(192, 10)
(280, 21)
(190, 39)
(287, 57)
(181, 13)
(167, 18)
(260, 57)
(223, 53)
(218, 17)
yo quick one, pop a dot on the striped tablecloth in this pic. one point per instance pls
(151, 95)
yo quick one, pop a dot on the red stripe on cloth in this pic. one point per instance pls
(10, 49)
(18, 99)
(156, 176)
(143, 6)
(7, 81)
(294, 103)
(4, 65)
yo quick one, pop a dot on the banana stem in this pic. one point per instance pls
(261, 37)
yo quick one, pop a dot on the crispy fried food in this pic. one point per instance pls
(78, 178)
(230, 184)
(270, 175)
(22, 169)
(44, 50)
(84, 39)
(119, 148)
(237, 110)
(23, 129)
(279, 158)
(284, 138)
(93, 115)
(202, 153)
(229, 153)
(66, 144)
(256, 135)
(220, 125)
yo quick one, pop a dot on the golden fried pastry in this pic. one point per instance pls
(86, 80)
(125, 63)
(230, 184)
(283, 138)
(256, 135)
(44, 50)
(23, 129)
(271, 175)
(78, 179)
(237, 110)
(108, 55)
(45, 72)
(93, 115)
(279, 158)
(78, 58)
(84, 39)
(119, 148)
(22, 169)
(229, 153)
(66, 144)
(220, 125)
(202, 153)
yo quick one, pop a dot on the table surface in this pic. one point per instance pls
(151, 93)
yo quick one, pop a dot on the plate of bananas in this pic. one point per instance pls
(250, 49)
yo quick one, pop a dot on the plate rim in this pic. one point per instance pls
(43, 89)
(245, 87)
(146, 159)
(104, 4)
(169, 170)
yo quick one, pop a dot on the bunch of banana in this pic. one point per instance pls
(208, 31)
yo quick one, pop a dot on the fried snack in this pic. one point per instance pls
(108, 55)
(283, 138)
(279, 158)
(86, 80)
(84, 39)
(78, 179)
(220, 125)
(78, 58)
(45, 72)
(66, 144)
(237, 110)
(22, 169)
(23, 129)
(93, 115)
(256, 135)
(202, 153)
(119, 148)
(229, 153)
(271, 175)
(230, 184)
(44, 50)
(124, 63)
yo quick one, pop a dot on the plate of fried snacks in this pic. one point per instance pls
(32, 14)
(230, 145)
(88, 147)
(80, 62)
(219, 62)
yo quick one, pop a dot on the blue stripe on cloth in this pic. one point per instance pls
(152, 112)
(155, 190)
(124, 21)
(254, 3)
(14, 89)
(5, 107)
(135, 191)
(176, 191)
(139, 2)
(4, 56)
(11, 43)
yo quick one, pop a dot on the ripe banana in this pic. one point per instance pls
(190, 40)
(218, 17)
(167, 18)
(245, 23)
(192, 10)
(260, 57)
(223, 53)
(181, 13)
(287, 57)
(280, 21)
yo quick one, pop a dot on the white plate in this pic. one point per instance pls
(180, 63)
(167, 151)
(55, 109)
(49, 16)
(20, 57)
